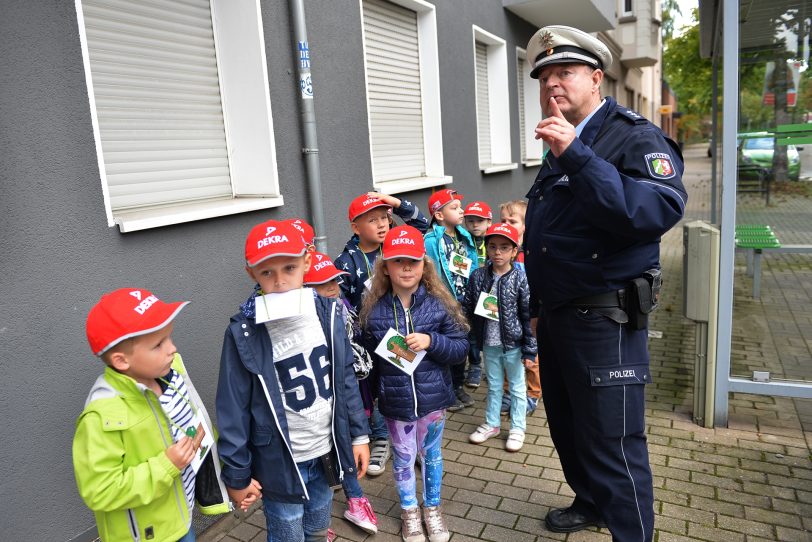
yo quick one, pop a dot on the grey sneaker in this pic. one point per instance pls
(435, 524)
(411, 529)
(378, 456)
(463, 397)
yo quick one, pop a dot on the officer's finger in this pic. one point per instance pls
(554, 110)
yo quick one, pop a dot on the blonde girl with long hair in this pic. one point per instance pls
(407, 295)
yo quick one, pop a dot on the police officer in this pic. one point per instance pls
(609, 187)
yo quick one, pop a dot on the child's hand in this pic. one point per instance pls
(387, 199)
(418, 341)
(528, 363)
(245, 497)
(361, 454)
(181, 453)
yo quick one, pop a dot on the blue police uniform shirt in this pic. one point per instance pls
(596, 212)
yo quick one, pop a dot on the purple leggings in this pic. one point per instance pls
(423, 436)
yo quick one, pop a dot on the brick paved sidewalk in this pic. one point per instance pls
(749, 482)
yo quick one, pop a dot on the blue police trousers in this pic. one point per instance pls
(593, 373)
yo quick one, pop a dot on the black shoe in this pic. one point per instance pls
(463, 397)
(567, 520)
(456, 406)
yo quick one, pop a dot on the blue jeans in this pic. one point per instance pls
(377, 425)
(352, 489)
(306, 522)
(497, 363)
(188, 537)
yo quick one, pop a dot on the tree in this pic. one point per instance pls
(670, 8)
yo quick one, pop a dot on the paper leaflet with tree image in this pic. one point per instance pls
(488, 306)
(393, 349)
(459, 264)
(202, 440)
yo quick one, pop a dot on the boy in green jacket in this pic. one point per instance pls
(144, 448)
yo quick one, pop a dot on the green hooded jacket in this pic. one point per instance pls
(122, 471)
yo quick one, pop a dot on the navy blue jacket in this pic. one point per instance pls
(353, 262)
(254, 440)
(399, 396)
(513, 299)
(596, 213)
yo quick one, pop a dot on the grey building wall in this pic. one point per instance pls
(57, 254)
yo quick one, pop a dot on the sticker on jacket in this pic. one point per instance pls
(659, 165)
(299, 302)
(393, 348)
(459, 264)
(487, 306)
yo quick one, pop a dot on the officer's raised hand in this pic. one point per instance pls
(555, 130)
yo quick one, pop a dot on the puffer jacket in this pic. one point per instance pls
(513, 296)
(399, 396)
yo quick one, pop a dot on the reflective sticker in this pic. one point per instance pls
(659, 165)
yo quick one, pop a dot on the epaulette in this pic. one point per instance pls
(631, 116)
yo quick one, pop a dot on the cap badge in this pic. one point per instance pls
(547, 41)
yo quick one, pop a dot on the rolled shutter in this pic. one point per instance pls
(483, 114)
(157, 95)
(394, 91)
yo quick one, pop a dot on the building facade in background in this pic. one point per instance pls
(144, 139)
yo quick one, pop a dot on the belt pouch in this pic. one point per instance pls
(639, 303)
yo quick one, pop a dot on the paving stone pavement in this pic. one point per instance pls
(751, 481)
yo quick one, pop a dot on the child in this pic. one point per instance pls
(291, 419)
(370, 217)
(478, 218)
(512, 212)
(506, 340)
(324, 278)
(408, 296)
(454, 254)
(142, 426)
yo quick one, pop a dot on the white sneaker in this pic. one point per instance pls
(483, 433)
(435, 524)
(378, 456)
(515, 440)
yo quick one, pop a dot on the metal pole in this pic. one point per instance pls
(730, 75)
(714, 138)
(311, 147)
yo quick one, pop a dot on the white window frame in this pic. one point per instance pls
(533, 148)
(498, 101)
(243, 73)
(430, 96)
(623, 11)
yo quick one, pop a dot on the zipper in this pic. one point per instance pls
(136, 534)
(166, 445)
(333, 383)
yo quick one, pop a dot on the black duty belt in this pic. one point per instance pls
(616, 298)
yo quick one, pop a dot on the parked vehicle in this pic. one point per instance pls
(756, 151)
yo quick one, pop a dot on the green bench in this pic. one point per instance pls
(755, 239)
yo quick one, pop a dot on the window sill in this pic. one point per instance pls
(411, 184)
(628, 18)
(496, 168)
(156, 217)
(531, 163)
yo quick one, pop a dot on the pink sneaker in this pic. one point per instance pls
(331, 535)
(359, 512)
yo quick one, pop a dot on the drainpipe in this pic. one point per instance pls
(311, 147)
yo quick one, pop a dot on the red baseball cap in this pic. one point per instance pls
(322, 269)
(441, 198)
(365, 203)
(307, 231)
(505, 230)
(403, 242)
(480, 209)
(273, 238)
(127, 313)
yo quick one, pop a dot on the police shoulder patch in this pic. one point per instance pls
(660, 165)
